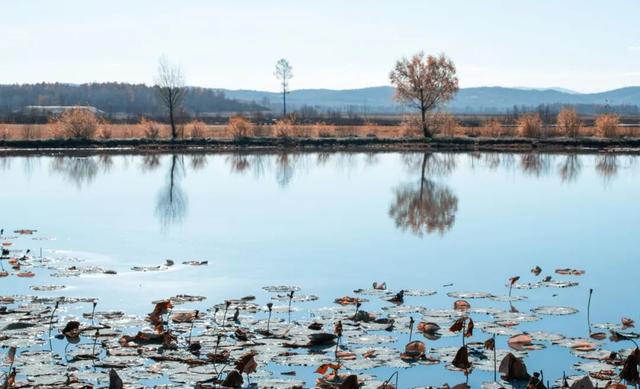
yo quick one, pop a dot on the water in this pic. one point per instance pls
(331, 223)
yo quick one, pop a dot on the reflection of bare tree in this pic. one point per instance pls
(492, 160)
(570, 168)
(424, 207)
(239, 163)
(172, 201)
(105, 162)
(285, 165)
(535, 163)
(323, 158)
(29, 163)
(79, 170)
(439, 165)
(607, 166)
(150, 162)
(5, 163)
(198, 161)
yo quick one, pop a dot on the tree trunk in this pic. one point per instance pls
(284, 103)
(171, 118)
(425, 128)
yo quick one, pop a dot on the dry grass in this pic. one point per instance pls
(150, 129)
(607, 126)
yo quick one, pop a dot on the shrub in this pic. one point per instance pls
(530, 125)
(607, 125)
(105, 133)
(77, 123)
(151, 129)
(444, 124)
(28, 131)
(493, 127)
(239, 126)
(568, 123)
(411, 126)
(196, 128)
(283, 127)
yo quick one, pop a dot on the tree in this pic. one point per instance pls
(568, 122)
(170, 87)
(284, 72)
(424, 83)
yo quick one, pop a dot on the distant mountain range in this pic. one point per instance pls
(481, 99)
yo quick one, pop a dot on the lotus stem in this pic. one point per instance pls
(589, 311)
(410, 327)
(51, 323)
(224, 316)
(191, 328)
(93, 311)
(388, 380)
(495, 360)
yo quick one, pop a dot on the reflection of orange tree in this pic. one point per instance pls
(424, 207)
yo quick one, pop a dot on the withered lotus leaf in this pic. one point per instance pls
(233, 380)
(114, 380)
(513, 280)
(518, 342)
(461, 305)
(322, 369)
(582, 383)
(490, 344)
(348, 300)
(415, 349)
(627, 323)
(461, 360)
(536, 270)
(629, 371)
(458, 325)
(427, 327)
(71, 329)
(572, 272)
(351, 382)
(512, 368)
(469, 332)
(247, 364)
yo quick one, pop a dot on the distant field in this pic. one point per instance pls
(125, 131)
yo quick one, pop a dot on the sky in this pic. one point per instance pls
(583, 45)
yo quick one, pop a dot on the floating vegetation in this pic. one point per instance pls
(283, 338)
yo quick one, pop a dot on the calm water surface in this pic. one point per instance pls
(331, 223)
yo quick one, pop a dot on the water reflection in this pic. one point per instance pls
(425, 206)
(171, 206)
(78, 170)
(570, 168)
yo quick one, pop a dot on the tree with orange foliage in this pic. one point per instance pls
(424, 83)
(568, 122)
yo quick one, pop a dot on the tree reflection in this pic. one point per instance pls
(285, 165)
(198, 162)
(171, 207)
(426, 206)
(79, 170)
(570, 168)
(535, 164)
(150, 162)
(607, 166)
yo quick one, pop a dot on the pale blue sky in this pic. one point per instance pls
(586, 45)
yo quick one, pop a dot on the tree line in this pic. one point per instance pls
(112, 98)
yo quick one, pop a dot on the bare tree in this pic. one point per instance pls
(424, 83)
(170, 87)
(284, 72)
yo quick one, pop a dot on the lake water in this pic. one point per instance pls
(331, 223)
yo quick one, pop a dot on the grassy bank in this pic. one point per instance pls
(438, 143)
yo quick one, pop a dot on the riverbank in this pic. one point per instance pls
(501, 144)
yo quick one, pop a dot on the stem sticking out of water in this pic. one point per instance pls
(410, 327)
(51, 323)
(93, 310)
(589, 311)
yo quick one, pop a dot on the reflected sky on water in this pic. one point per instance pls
(334, 222)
